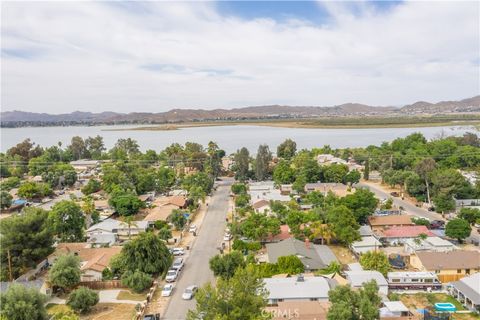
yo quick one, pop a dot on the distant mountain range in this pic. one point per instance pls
(470, 105)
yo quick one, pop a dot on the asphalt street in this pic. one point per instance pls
(209, 238)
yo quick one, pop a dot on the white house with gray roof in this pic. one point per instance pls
(298, 288)
(358, 278)
(467, 291)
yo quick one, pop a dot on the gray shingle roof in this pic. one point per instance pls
(312, 256)
(290, 288)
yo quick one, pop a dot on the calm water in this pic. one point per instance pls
(229, 138)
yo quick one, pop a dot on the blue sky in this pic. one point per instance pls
(155, 56)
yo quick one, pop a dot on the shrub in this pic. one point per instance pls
(82, 299)
(137, 281)
(65, 272)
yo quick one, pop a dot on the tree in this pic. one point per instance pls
(65, 272)
(78, 148)
(147, 253)
(443, 202)
(67, 221)
(299, 183)
(95, 146)
(354, 304)
(242, 162)
(82, 299)
(92, 186)
(25, 150)
(343, 224)
(423, 169)
(352, 177)
(34, 190)
(287, 149)
(362, 202)
(258, 226)
(366, 171)
(283, 173)
(178, 219)
(226, 265)
(137, 281)
(458, 229)
(129, 221)
(60, 174)
(290, 265)
(335, 172)
(239, 298)
(470, 214)
(5, 200)
(262, 162)
(165, 179)
(127, 147)
(375, 260)
(27, 239)
(20, 303)
(125, 203)
(239, 188)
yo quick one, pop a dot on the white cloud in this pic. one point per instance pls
(154, 56)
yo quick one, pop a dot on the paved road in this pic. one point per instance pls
(209, 238)
(409, 207)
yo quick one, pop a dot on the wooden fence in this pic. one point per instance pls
(102, 285)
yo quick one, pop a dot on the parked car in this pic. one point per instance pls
(227, 237)
(437, 224)
(189, 292)
(178, 251)
(167, 290)
(394, 194)
(152, 316)
(192, 229)
(172, 275)
(177, 264)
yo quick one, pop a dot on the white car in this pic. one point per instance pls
(189, 292)
(178, 251)
(172, 275)
(192, 229)
(167, 290)
(227, 237)
(178, 264)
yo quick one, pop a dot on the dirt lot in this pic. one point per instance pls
(111, 311)
(344, 255)
(127, 295)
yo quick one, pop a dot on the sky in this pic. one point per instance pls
(62, 56)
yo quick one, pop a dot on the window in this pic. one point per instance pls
(437, 271)
(428, 280)
(414, 280)
(459, 270)
(467, 271)
(395, 280)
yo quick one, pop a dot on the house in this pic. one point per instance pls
(284, 234)
(146, 197)
(265, 190)
(262, 206)
(467, 291)
(358, 278)
(298, 288)
(299, 310)
(92, 260)
(400, 234)
(339, 189)
(160, 212)
(227, 163)
(83, 165)
(313, 256)
(396, 310)
(383, 222)
(286, 189)
(327, 159)
(103, 207)
(119, 228)
(366, 244)
(436, 244)
(178, 200)
(448, 266)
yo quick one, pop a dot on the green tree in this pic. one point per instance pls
(375, 260)
(258, 226)
(354, 304)
(166, 179)
(366, 171)
(147, 253)
(27, 238)
(262, 162)
(469, 214)
(82, 299)
(125, 203)
(5, 200)
(178, 219)
(65, 272)
(458, 229)
(290, 265)
(78, 148)
(92, 186)
(34, 190)
(362, 202)
(137, 280)
(239, 298)
(67, 221)
(226, 265)
(242, 162)
(352, 177)
(443, 202)
(335, 172)
(343, 224)
(287, 149)
(283, 173)
(239, 188)
(20, 303)
(95, 146)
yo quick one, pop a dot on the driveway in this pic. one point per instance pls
(196, 270)
(408, 206)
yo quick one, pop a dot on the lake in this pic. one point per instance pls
(229, 138)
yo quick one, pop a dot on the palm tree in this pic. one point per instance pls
(129, 222)
(322, 230)
(88, 208)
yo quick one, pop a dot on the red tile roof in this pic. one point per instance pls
(406, 232)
